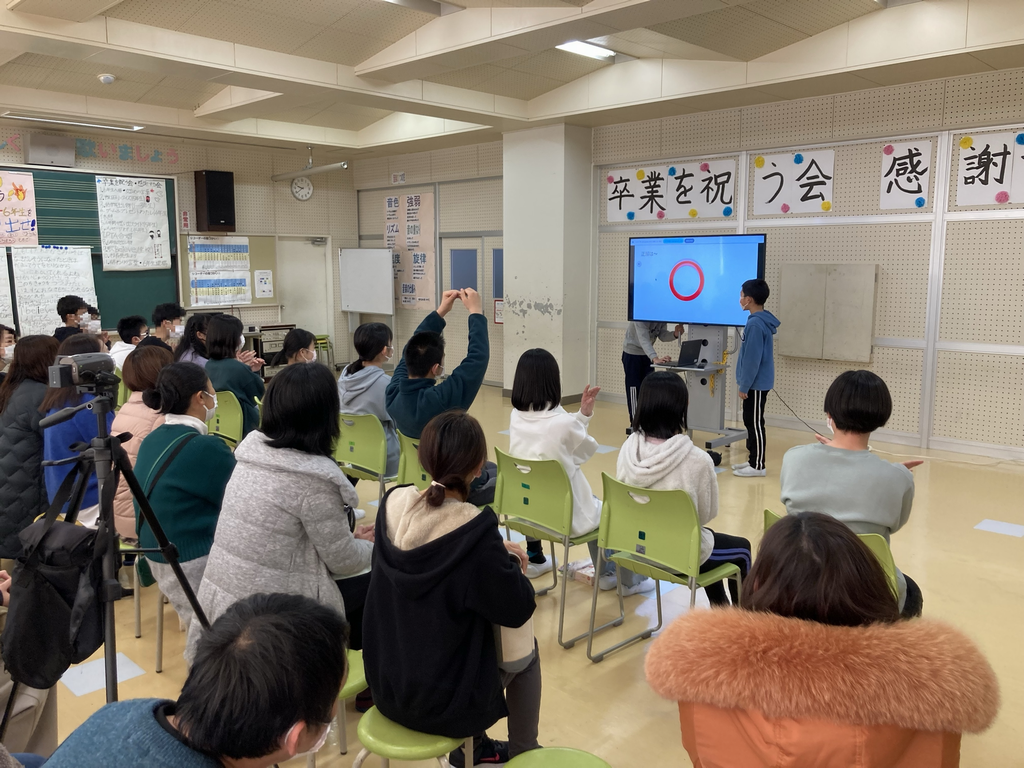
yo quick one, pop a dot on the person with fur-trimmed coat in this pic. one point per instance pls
(819, 671)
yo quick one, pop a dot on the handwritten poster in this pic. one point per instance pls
(18, 209)
(218, 271)
(906, 174)
(677, 191)
(134, 234)
(985, 171)
(42, 275)
(409, 233)
(6, 307)
(794, 182)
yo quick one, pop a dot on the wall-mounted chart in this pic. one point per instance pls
(133, 223)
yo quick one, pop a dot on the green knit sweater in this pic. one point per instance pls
(188, 495)
(237, 378)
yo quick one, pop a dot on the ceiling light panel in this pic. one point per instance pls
(586, 49)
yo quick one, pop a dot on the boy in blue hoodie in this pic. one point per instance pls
(755, 373)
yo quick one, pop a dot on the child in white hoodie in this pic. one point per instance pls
(660, 456)
(541, 428)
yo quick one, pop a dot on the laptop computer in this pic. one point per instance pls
(689, 354)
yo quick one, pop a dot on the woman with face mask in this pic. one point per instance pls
(8, 337)
(232, 370)
(299, 348)
(363, 384)
(184, 472)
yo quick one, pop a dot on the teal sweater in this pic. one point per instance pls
(412, 403)
(127, 734)
(237, 378)
(188, 496)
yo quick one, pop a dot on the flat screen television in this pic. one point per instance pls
(692, 279)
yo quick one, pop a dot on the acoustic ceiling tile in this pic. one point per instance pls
(735, 31)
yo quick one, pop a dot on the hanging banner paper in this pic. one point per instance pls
(225, 253)
(6, 306)
(409, 233)
(985, 170)
(133, 223)
(42, 275)
(18, 209)
(794, 182)
(906, 174)
(218, 288)
(684, 190)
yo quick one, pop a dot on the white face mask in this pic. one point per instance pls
(241, 343)
(313, 358)
(9, 352)
(830, 425)
(211, 412)
(319, 744)
(388, 357)
(178, 332)
(91, 326)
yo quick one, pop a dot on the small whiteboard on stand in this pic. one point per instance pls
(367, 280)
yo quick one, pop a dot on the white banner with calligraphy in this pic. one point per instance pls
(672, 192)
(794, 182)
(906, 174)
(985, 171)
(134, 230)
(18, 223)
(409, 233)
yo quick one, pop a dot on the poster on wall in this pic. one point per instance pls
(409, 233)
(986, 170)
(218, 271)
(134, 234)
(6, 306)
(42, 275)
(18, 214)
(794, 182)
(906, 174)
(677, 191)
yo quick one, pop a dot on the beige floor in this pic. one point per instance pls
(972, 579)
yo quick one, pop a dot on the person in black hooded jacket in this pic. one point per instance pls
(442, 578)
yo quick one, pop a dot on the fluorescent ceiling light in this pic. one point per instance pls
(586, 49)
(29, 118)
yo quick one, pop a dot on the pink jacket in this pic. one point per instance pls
(138, 419)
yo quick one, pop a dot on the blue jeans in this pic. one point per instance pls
(628, 577)
(29, 761)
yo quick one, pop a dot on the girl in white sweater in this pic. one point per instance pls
(659, 455)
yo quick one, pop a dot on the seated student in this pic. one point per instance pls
(363, 384)
(299, 347)
(412, 397)
(842, 478)
(660, 455)
(188, 492)
(263, 688)
(282, 524)
(132, 330)
(168, 326)
(820, 671)
(8, 338)
(192, 347)
(232, 370)
(441, 563)
(72, 311)
(541, 428)
(81, 428)
(135, 417)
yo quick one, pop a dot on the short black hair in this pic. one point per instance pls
(661, 406)
(858, 401)
(301, 409)
(757, 290)
(69, 305)
(175, 386)
(538, 382)
(130, 327)
(92, 310)
(222, 335)
(270, 661)
(169, 311)
(423, 352)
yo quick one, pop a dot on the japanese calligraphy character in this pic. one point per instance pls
(158, 156)
(906, 172)
(653, 192)
(140, 156)
(989, 166)
(172, 156)
(682, 190)
(812, 178)
(14, 144)
(715, 187)
(126, 152)
(85, 147)
(782, 182)
(620, 189)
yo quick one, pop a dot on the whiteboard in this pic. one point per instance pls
(133, 223)
(367, 280)
(45, 273)
(6, 307)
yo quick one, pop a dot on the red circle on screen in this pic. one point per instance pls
(672, 281)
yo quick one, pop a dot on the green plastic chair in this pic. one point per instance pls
(770, 519)
(556, 757)
(391, 741)
(227, 421)
(362, 449)
(655, 534)
(122, 390)
(410, 471)
(880, 549)
(535, 498)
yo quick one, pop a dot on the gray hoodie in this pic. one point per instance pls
(363, 393)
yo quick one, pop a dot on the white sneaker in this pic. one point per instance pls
(646, 585)
(749, 471)
(359, 513)
(740, 466)
(607, 583)
(533, 570)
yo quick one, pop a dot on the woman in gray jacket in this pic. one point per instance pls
(282, 525)
(363, 384)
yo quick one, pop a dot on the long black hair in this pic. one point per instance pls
(190, 339)
(661, 406)
(223, 335)
(297, 340)
(369, 339)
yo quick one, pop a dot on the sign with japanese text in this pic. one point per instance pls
(985, 171)
(218, 271)
(794, 182)
(133, 223)
(409, 233)
(42, 275)
(18, 209)
(673, 192)
(906, 174)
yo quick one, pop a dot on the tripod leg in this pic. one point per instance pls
(159, 631)
(137, 597)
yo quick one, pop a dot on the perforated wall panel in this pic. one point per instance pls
(371, 172)
(471, 206)
(454, 163)
(489, 159)
(787, 123)
(627, 141)
(416, 167)
(889, 111)
(980, 398)
(702, 133)
(991, 98)
(609, 361)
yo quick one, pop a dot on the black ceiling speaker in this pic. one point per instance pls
(215, 201)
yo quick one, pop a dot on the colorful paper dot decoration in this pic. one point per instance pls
(966, 142)
(672, 171)
(920, 202)
(798, 158)
(785, 207)
(1003, 197)
(631, 215)
(693, 213)
(611, 179)
(1020, 138)
(640, 174)
(759, 162)
(826, 205)
(888, 149)
(661, 214)
(705, 167)
(727, 211)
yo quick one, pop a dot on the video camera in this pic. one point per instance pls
(91, 372)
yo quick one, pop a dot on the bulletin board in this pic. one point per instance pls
(262, 255)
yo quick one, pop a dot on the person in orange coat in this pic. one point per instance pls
(816, 669)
